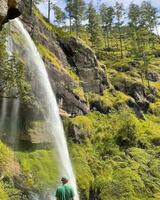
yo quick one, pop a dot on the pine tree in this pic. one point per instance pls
(59, 15)
(107, 16)
(69, 9)
(119, 14)
(93, 27)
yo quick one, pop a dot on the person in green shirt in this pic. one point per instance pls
(65, 192)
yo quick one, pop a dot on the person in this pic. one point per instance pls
(65, 192)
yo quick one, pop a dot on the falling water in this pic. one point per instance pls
(3, 112)
(14, 121)
(47, 99)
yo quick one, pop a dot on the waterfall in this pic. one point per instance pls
(14, 121)
(46, 98)
(3, 112)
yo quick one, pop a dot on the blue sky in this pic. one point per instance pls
(61, 3)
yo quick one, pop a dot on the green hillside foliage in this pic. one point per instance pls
(117, 155)
(121, 155)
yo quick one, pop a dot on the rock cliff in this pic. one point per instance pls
(73, 68)
(10, 9)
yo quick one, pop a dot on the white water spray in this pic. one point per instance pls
(3, 112)
(14, 121)
(46, 97)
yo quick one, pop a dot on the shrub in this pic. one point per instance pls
(39, 169)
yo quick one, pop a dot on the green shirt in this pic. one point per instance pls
(64, 192)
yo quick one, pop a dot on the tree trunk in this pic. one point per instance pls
(70, 23)
(49, 10)
(120, 39)
(30, 6)
(108, 40)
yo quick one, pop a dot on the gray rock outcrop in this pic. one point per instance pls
(85, 64)
(10, 9)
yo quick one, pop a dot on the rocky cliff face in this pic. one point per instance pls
(84, 62)
(10, 9)
(74, 69)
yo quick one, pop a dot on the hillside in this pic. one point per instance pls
(110, 111)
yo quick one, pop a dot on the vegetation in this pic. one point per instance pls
(118, 155)
(39, 169)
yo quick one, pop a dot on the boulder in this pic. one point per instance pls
(141, 94)
(153, 76)
(76, 134)
(9, 10)
(37, 135)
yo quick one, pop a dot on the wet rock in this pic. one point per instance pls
(38, 135)
(9, 10)
(76, 134)
(134, 63)
(123, 69)
(98, 106)
(84, 62)
(142, 95)
(153, 76)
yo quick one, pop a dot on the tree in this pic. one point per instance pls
(94, 27)
(69, 9)
(139, 32)
(75, 10)
(59, 15)
(107, 16)
(135, 23)
(31, 4)
(150, 16)
(119, 14)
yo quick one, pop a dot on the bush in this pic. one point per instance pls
(39, 169)
(127, 134)
(3, 195)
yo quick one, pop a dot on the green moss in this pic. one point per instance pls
(82, 169)
(84, 123)
(52, 58)
(3, 194)
(7, 162)
(71, 74)
(47, 54)
(109, 99)
(139, 155)
(78, 91)
(39, 169)
(155, 107)
(47, 25)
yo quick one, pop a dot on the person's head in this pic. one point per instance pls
(64, 180)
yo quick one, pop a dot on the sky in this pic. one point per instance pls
(61, 3)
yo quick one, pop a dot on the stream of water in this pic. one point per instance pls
(46, 98)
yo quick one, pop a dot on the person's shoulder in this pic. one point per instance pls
(69, 187)
(59, 187)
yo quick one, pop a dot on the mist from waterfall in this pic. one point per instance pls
(3, 112)
(45, 95)
(14, 122)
